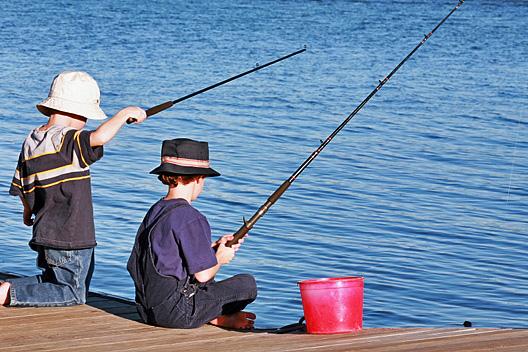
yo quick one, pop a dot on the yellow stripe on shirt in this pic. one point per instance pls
(77, 134)
(17, 185)
(75, 167)
(58, 182)
(44, 172)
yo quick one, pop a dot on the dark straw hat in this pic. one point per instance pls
(184, 156)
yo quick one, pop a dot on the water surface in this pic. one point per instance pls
(424, 193)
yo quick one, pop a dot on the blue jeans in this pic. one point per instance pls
(64, 281)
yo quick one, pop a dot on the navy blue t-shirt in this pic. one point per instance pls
(181, 242)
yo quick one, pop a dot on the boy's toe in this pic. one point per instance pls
(250, 315)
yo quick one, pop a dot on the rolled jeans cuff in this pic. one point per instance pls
(12, 295)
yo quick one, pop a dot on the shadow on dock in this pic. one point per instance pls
(125, 308)
(108, 323)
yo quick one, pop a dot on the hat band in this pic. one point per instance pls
(185, 162)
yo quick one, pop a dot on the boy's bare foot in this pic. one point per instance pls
(241, 320)
(4, 293)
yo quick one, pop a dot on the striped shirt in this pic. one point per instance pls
(53, 176)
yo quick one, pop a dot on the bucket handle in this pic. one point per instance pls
(299, 326)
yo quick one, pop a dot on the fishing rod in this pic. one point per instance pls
(243, 230)
(158, 108)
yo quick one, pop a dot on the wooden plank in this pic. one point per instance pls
(10, 313)
(74, 337)
(274, 342)
(238, 342)
(386, 339)
(422, 342)
(480, 340)
(523, 347)
(159, 339)
(105, 342)
(270, 342)
(110, 323)
(401, 341)
(345, 341)
(131, 339)
(79, 319)
(155, 342)
(59, 314)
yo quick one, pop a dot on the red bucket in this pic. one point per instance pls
(334, 305)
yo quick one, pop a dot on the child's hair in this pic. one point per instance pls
(173, 180)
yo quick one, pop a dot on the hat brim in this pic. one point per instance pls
(168, 168)
(90, 111)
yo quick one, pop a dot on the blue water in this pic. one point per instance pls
(425, 193)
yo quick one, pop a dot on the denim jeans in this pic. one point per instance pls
(64, 281)
(201, 303)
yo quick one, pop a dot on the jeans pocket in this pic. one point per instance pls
(57, 257)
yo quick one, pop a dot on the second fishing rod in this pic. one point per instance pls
(168, 104)
(247, 225)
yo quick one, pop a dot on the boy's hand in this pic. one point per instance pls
(134, 114)
(226, 238)
(28, 221)
(27, 215)
(224, 254)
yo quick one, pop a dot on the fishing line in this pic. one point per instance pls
(247, 225)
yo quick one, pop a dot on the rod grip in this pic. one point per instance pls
(242, 231)
(154, 110)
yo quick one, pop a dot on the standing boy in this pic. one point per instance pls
(173, 262)
(52, 179)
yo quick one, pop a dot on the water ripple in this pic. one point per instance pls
(424, 193)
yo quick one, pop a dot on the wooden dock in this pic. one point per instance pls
(109, 323)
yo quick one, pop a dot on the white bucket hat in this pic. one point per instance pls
(75, 92)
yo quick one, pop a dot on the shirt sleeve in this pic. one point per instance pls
(16, 183)
(86, 153)
(195, 243)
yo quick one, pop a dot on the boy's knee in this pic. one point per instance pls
(247, 278)
(250, 284)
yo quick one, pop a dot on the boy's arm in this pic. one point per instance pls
(108, 129)
(223, 256)
(208, 274)
(27, 212)
(17, 189)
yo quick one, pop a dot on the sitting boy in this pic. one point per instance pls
(173, 262)
(52, 179)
